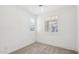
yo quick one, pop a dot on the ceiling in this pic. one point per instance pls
(36, 9)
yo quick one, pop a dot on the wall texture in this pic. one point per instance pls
(77, 9)
(66, 37)
(14, 28)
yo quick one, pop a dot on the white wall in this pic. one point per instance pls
(14, 28)
(66, 37)
(15, 33)
(77, 7)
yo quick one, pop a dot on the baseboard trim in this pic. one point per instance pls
(21, 48)
(76, 52)
(60, 47)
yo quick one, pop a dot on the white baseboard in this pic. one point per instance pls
(57, 46)
(20, 47)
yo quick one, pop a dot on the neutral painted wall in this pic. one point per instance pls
(15, 33)
(77, 9)
(66, 37)
(14, 28)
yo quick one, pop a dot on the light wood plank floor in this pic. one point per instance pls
(40, 48)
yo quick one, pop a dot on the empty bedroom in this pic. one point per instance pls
(39, 29)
